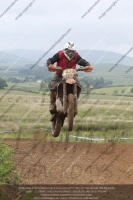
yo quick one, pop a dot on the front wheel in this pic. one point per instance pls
(70, 114)
(56, 127)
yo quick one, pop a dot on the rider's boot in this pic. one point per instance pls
(52, 107)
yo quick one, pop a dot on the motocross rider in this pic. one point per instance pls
(67, 58)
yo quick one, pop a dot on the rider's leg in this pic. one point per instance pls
(53, 91)
(52, 101)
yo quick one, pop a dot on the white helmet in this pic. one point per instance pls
(69, 50)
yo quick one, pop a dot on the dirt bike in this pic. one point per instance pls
(66, 100)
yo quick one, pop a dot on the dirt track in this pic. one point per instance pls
(43, 162)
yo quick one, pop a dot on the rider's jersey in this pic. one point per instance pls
(65, 63)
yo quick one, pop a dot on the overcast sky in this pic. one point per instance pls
(47, 20)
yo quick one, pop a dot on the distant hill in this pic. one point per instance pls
(20, 57)
(93, 56)
(7, 59)
(107, 66)
(97, 56)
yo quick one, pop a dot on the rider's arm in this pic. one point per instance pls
(82, 62)
(52, 60)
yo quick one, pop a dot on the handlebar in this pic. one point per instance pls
(79, 69)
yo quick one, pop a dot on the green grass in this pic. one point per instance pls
(106, 97)
(104, 112)
(110, 90)
(16, 92)
(30, 114)
(33, 86)
(6, 167)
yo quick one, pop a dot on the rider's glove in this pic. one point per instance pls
(51, 68)
(88, 68)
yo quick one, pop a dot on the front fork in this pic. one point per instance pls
(75, 99)
(65, 97)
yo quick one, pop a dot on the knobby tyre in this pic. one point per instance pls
(70, 115)
(56, 127)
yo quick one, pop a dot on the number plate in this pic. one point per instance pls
(69, 73)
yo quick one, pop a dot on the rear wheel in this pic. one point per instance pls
(56, 127)
(70, 115)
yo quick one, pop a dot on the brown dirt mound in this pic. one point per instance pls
(49, 162)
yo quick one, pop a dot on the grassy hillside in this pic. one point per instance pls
(118, 74)
(7, 59)
(110, 90)
(30, 114)
(93, 56)
(33, 86)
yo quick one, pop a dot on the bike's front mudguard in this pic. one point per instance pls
(64, 89)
